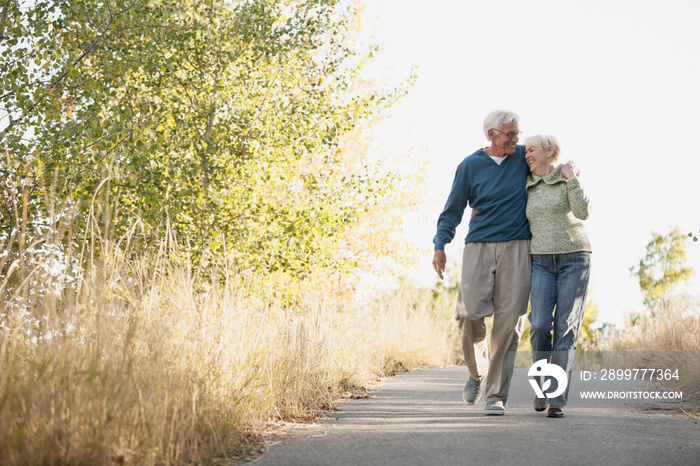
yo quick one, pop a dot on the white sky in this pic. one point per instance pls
(616, 81)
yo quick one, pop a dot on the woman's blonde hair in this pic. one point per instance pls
(546, 142)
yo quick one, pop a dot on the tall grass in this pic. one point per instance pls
(675, 326)
(671, 336)
(148, 363)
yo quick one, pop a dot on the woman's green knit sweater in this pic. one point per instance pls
(555, 208)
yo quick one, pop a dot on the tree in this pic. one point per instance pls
(218, 121)
(587, 338)
(662, 267)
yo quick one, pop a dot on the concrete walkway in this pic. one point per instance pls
(419, 418)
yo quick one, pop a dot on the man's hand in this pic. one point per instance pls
(570, 170)
(439, 260)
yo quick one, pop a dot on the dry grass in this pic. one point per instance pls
(671, 337)
(674, 327)
(145, 364)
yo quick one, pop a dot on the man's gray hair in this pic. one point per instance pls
(498, 118)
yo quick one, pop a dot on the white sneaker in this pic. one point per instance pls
(494, 408)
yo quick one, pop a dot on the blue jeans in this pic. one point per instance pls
(558, 289)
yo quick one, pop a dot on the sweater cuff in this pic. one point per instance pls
(573, 183)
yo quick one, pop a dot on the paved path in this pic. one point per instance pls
(419, 418)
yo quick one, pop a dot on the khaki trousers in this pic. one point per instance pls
(495, 282)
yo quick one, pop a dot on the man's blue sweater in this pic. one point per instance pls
(496, 191)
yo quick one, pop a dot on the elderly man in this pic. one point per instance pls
(496, 259)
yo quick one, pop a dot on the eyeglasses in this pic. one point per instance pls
(509, 135)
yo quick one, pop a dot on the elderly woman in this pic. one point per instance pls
(560, 256)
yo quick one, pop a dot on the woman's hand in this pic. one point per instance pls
(570, 170)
